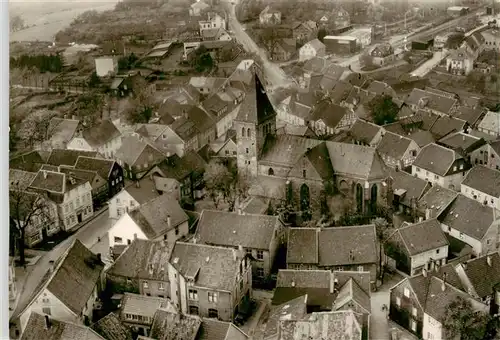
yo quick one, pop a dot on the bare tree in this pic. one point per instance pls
(27, 210)
(142, 103)
(37, 128)
(270, 36)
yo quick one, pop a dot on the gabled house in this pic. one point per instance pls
(31, 161)
(398, 152)
(441, 166)
(329, 118)
(365, 133)
(294, 309)
(480, 276)
(68, 157)
(163, 137)
(305, 31)
(473, 223)
(435, 200)
(111, 327)
(132, 196)
(464, 143)
(137, 311)
(407, 191)
(419, 303)
(490, 124)
(71, 193)
(214, 20)
(77, 270)
(41, 326)
(483, 185)
(488, 155)
(209, 281)
(382, 54)
(137, 157)
(259, 235)
(172, 326)
(211, 328)
(103, 138)
(312, 49)
(431, 102)
(141, 268)
(97, 183)
(460, 62)
(284, 49)
(416, 246)
(356, 249)
(159, 219)
(197, 8)
(60, 132)
(269, 16)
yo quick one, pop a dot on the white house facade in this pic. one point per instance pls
(77, 206)
(106, 66)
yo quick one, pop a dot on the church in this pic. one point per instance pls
(301, 169)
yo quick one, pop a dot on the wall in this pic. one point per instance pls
(449, 182)
(172, 237)
(491, 240)
(226, 123)
(76, 201)
(432, 329)
(247, 162)
(125, 228)
(485, 155)
(284, 114)
(223, 304)
(420, 260)
(109, 149)
(480, 197)
(79, 143)
(105, 65)
(154, 289)
(120, 204)
(403, 314)
(475, 244)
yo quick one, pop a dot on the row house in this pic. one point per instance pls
(312, 49)
(41, 326)
(441, 166)
(310, 248)
(488, 155)
(260, 236)
(432, 102)
(490, 125)
(305, 31)
(132, 196)
(103, 138)
(329, 118)
(407, 192)
(209, 281)
(398, 152)
(366, 133)
(483, 185)
(163, 137)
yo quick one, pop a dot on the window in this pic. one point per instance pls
(45, 300)
(398, 301)
(176, 231)
(246, 150)
(461, 166)
(212, 297)
(455, 168)
(360, 268)
(260, 255)
(193, 310)
(413, 311)
(213, 313)
(46, 310)
(406, 292)
(117, 200)
(304, 173)
(418, 169)
(227, 152)
(260, 272)
(161, 286)
(242, 132)
(437, 251)
(193, 295)
(461, 235)
(78, 201)
(118, 239)
(436, 177)
(413, 325)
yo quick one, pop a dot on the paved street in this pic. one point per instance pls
(88, 235)
(426, 67)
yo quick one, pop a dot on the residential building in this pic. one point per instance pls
(416, 246)
(296, 109)
(214, 34)
(197, 8)
(456, 11)
(479, 277)
(111, 327)
(408, 190)
(328, 118)
(474, 44)
(483, 185)
(259, 235)
(163, 137)
(431, 102)
(332, 325)
(77, 270)
(211, 328)
(284, 49)
(137, 311)
(491, 39)
(460, 62)
(293, 309)
(462, 142)
(137, 157)
(356, 249)
(382, 54)
(168, 326)
(340, 44)
(419, 303)
(12, 279)
(106, 66)
(269, 16)
(59, 157)
(441, 166)
(31, 161)
(305, 31)
(214, 20)
(488, 155)
(209, 281)
(159, 219)
(103, 138)
(434, 202)
(72, 194)
(60, 132)
(132, 196)
(473, 223)
(312, 49)
(141, 268)
(97, 183)
(41, 326)
(365, 133)
(109, 171)
(398, 152)
(207, 85)
(490, 124)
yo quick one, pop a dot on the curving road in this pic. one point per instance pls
(275, 76)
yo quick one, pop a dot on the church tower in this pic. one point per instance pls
(255, 121)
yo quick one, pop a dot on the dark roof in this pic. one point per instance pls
(304, 278)
(422, 137)
(422, 237)
(20, 179)
(351, 291)
(36, 329)
(174, 326)
(436, 199)
(100, 165)
(219, 272)
(315, 296)
(143, 190)
(469, 217)
(67, 157)
(482, 276)
(179, 168)
(331, 114)
(133, 148)
(470, 115)
(144, 305)
(300, 243)
(436, 159)
(152, 216)
(446, 125)
(201, 119)
(49, 181)
(212, 329)
(459, 140)
(100, 134)
(233, 229)
(432, 100)
(79, 271)
(31, 161)
(256, 107)
(414, 187)
(364, 131)
(483, 179)
(393, 145)
(295, 309)
(143, 259)
(354, 245)
(111, 328)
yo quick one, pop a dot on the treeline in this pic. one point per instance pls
(44, 63)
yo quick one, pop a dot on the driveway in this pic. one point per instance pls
(87, 234)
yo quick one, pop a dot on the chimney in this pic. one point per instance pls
(240, 249)
(424, 272)
(427, 213)
(47, 322)
(44, 174)
(488, 260)
(135, 236)
(169, 221)
(137, 184)
(351, 255)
